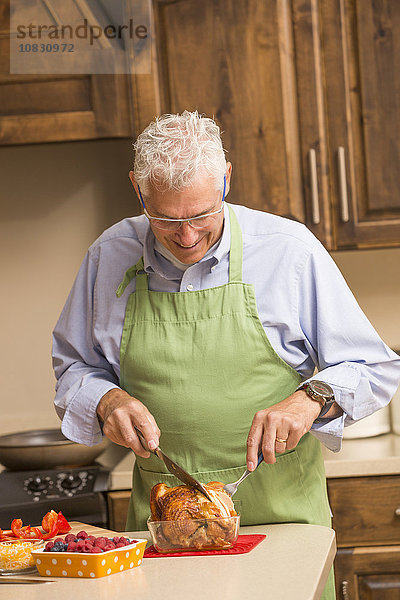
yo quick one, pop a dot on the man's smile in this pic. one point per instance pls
(191, 246)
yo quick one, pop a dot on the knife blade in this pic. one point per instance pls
(13, 579)
(174, 468)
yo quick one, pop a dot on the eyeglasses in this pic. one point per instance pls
(200, 222)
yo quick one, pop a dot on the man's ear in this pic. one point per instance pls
(228, 175)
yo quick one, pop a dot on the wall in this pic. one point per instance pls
(373, 276)
(55, 200)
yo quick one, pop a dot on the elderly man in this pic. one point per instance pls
(204, 322)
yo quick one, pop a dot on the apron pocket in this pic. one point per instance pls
(276, 493)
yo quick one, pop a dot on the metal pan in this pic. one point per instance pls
(45, 449)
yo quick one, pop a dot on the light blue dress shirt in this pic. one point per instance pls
(305, 306)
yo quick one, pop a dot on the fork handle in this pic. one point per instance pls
(260, 458)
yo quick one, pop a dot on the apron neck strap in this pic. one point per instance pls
(135, 271)
(236, 251)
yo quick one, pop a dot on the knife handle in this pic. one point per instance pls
(142, 440)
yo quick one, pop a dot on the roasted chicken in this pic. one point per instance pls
(189, 520)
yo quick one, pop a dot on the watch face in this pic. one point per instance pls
(321, 388)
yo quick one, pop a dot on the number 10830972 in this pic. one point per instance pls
(45, 47)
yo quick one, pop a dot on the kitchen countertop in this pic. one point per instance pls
(379, 455)
(293, 561)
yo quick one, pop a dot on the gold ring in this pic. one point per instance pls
(281, 440)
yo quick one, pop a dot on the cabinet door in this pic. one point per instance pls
(118, 503)
(235, 61)
(52, 108)
(365, 510)
(361, 45)
(368, 573)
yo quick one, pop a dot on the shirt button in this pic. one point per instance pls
(189, 287)
(213, 268)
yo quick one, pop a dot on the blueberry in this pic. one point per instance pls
(58, 547)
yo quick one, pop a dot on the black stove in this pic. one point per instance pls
(78, 492)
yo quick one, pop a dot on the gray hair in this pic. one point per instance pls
(172, 150)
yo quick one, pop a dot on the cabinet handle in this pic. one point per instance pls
(345, 593)
(312, 162)
(344, 201)
(397, 512)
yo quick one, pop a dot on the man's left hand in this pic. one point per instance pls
(281, 426)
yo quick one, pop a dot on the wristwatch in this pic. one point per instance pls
(321, 392)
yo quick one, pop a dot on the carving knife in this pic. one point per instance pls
(173, 468)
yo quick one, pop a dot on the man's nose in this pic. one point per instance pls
(187, 232)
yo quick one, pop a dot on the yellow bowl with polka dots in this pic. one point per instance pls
(80, 564)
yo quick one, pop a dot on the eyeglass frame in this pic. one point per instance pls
(188, 221)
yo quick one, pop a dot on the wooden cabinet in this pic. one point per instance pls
(368, 573)
(117, 504)
(360, 41)
(366, 518)
(52, 108)
(235, 61)
(307, 93)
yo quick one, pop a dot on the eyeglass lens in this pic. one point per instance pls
(199, 223)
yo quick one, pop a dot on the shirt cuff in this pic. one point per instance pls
(344, 379)
(330, 432)
(80, 423)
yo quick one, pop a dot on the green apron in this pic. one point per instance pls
(202, 364)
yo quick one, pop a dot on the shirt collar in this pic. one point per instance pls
(155, 263)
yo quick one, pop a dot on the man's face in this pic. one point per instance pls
(188, 244)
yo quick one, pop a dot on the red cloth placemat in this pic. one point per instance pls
(244, 544)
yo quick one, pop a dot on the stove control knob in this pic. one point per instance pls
(37, 484)
(71, 482)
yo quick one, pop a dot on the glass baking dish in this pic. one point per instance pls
(194, 534)
(16, 556)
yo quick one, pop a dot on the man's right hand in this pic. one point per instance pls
(120, 413)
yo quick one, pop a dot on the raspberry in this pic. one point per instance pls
(87, 547)
(92, 538)
(120, 545)
(101, 542)
(123, 540)
(70, 538)
(82, 535)
(59, 539)
(71, 546)
(96, 549)
(48, 546)
(115, 539)
(109, 547)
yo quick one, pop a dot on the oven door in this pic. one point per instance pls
(88, 508)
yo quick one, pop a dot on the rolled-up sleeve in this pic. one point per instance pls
(82, 371)
(362, 370)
